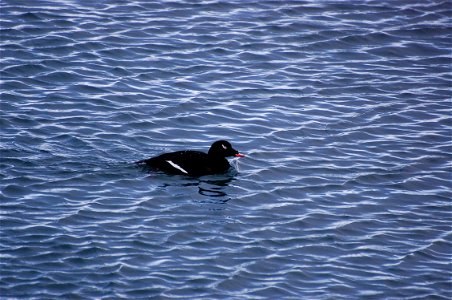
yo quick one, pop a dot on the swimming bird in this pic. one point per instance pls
(194, 163)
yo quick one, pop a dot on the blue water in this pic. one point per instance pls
(342, 107)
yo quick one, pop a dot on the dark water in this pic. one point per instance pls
(344, 111)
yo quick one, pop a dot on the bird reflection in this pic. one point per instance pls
(213, 187)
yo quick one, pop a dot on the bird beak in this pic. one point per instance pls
(239, 155)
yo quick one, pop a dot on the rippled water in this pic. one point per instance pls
(343, 110)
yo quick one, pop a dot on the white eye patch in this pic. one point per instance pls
(224, 147)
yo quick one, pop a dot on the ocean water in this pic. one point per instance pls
(343, 109)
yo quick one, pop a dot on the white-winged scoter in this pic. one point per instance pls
(194, 163)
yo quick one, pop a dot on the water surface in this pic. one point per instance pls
(343, 110)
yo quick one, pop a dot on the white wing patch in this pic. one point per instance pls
(176, 166)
